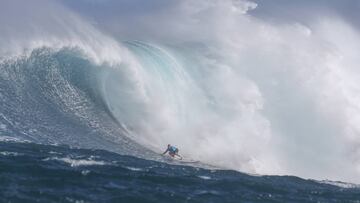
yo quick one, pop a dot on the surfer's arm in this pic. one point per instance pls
(165, 151)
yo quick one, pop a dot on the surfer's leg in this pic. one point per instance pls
(179, 156)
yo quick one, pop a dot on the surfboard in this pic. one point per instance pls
(189, 161)
(182, 160)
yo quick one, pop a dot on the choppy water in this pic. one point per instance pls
(47, 173)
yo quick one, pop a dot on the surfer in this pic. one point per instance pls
(173, 151)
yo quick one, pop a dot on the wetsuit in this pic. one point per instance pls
(173, 150)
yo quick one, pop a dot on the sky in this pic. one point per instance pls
(275, 10)
(303, 10)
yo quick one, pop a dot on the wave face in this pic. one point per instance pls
(54, 97)
(59, 96)
(229, 90)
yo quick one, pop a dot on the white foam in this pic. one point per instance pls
(52, 152)
(339, 184)
(77, 162)
(134, 168)
(6, 153)
(74, 200)
(12, 139)
(205, 177)
(280, 98)
(85, 172)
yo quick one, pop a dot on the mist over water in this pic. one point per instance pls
(228, 88)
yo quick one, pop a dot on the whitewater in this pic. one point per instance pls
(231, 90)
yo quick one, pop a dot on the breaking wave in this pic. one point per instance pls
(251, 95)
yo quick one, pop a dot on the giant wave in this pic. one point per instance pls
(230, 90)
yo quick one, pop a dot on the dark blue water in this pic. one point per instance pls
(47, 173)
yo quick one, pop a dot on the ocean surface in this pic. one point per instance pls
(54, 173)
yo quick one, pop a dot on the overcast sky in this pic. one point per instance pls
(129, 19)
(304, 10)
(280, 10)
